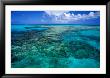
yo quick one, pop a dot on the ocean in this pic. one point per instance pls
(55, 46)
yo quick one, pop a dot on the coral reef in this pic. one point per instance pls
(56, 47)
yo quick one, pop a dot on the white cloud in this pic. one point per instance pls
(91, 14)
(55, 13)
(66, 16)
(79, 15)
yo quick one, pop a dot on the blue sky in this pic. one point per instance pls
(55, 17)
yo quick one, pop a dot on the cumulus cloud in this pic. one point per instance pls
(55, 13)
(91, 14)
(66, 16)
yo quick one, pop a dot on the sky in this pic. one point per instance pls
(55, 17)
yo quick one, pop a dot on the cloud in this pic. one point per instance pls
(55, 13)
(91, 14)
(66, 16)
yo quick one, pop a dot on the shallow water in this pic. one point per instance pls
(55, 46)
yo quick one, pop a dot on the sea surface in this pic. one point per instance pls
(55, 46)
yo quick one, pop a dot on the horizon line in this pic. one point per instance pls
(55, 24)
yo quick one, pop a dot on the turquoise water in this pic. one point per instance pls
(26, 28)
(55, 46)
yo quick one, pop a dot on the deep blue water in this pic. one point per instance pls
(56, 46)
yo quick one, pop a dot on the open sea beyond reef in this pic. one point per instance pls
(55, 46)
